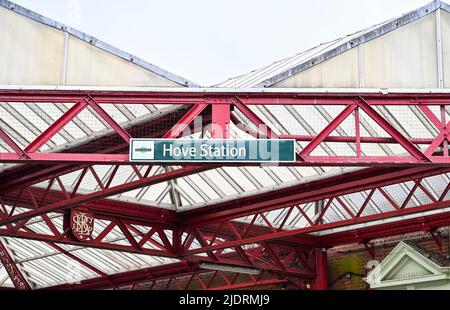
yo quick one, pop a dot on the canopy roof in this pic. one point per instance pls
(43, 265)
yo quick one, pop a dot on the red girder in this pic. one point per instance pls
(151, 246)
(105, 207)
(321, 282)
(29, 174)
(363, 235)
(215, 96)
(352, 103)
(241, 234)
(105, 116)
(12, 144)
(244, 209)
(179, 276)
(391, 130)
(132, 212)
(218, 230)
(16, 276)
(220, 121)
(311, 161)
(184, 122)
(420, 217)
(77, 200)
(152, 238)
(355, 235)
(378, 180)
(263, 128)
(55, 127)
(316, 190)
(105, 190)
(130, 277)
(306, 152)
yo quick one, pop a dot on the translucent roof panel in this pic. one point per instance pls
(44, 266)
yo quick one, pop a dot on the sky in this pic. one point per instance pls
(209, 41)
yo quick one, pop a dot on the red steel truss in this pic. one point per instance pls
(335, 189)
(254, 207)
(226, 233)
(184, 276)
(155, 237)
(352, 104)
(13, 271)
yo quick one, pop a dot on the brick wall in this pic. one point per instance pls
(347, 264)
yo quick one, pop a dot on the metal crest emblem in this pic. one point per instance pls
(82, 224)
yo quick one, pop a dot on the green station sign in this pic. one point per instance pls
(203, 150)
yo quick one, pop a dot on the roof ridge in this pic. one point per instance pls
(96, 42)
(381, 29)
(278, 61)
(348, 42)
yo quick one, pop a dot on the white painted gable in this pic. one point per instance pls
(406, 268)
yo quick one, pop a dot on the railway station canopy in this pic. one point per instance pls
(368, 116)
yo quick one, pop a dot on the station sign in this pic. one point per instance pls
(212, 150)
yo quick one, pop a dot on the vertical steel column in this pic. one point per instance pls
(321, 270)
(220, 121)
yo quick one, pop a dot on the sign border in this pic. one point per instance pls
(210, 161)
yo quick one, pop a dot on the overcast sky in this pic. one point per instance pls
(208, 41)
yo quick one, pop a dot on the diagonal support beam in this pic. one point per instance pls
(262, 126)
(55, 127)
(442, 126)
(111, 122)
(328, 130)
(77, 259)
(112, 191)
(13, 271)
(399, 137)
(12, 144)
(185, 121)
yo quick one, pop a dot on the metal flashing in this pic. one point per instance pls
(225, 90)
